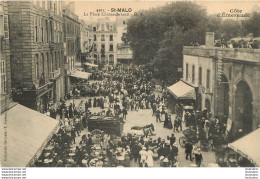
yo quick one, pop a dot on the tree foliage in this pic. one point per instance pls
(157, 36)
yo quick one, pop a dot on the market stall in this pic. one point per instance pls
(24, 134)
(247, 147)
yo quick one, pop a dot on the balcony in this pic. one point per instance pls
(236, 54)
(54, 75)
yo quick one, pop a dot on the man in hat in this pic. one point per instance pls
(172, 140)
(188, 150)
(198, 157)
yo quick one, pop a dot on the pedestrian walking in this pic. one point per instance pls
(198, 157)
(188, 150)
(176, 125)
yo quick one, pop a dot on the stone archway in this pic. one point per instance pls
(244, 107)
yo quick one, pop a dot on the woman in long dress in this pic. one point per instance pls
(150, 158)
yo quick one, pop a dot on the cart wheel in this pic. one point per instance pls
(182, 141)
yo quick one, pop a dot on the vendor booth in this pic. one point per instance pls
(181, 92)
(245, 150)
(24, 134)
(80, 74)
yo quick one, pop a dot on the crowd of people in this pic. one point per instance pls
(252, 44)
(123, 89)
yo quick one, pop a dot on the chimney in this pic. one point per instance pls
(209, 39)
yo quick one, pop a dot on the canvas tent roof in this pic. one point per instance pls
(27, 132)
(248, 147)
(81, 74)
(182, 91)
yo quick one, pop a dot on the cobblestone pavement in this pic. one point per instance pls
(144, 117)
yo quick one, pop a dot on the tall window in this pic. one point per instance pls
(103, 58)
(200, 76)
(6, 29)
(193, 73)
(51, 62)
(43, 67)
(111, 47)
(102, 37)
(111, 37)
(55, 60)
(51, 31)
(102, 48)
(37, 66)
(187, 71)
(58, 60)
(95, 37)
(35, 29)
(3, 77)
(46, 31)
(124, 22)
(42, 31)
(111, 59)
(48, 64)
(208, 79)
(102, 27)
(94, 29)
(95, 47)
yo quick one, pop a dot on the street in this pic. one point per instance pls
(142, 118)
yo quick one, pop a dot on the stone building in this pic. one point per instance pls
(72, 42)
(232, 75)
(4, 57)
(105, 41)
(87, 43)
(124, 53)
(36, 43)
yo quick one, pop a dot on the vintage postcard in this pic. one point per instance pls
(130, 83)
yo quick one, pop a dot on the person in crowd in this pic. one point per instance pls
(198, 157)
(188, 150)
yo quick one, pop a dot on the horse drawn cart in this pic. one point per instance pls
(193, 137)
(109, 125)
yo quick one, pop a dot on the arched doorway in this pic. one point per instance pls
(223, 97)
(243, 107)
(207, 105)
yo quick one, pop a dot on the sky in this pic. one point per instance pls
(85, 8)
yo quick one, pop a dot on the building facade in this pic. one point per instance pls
(105, 41)
(124, 53)
(72, 43)
(36, 43)
(87, 42)
(231, 76)
(5, 57)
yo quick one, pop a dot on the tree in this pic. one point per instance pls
(252, 24)
(146, 30)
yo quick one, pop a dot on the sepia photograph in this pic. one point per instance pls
(130, 84)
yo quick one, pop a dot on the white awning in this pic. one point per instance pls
(248, 147)
(81, 74)
(27, 133)
(182, 91)
(90, 64)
